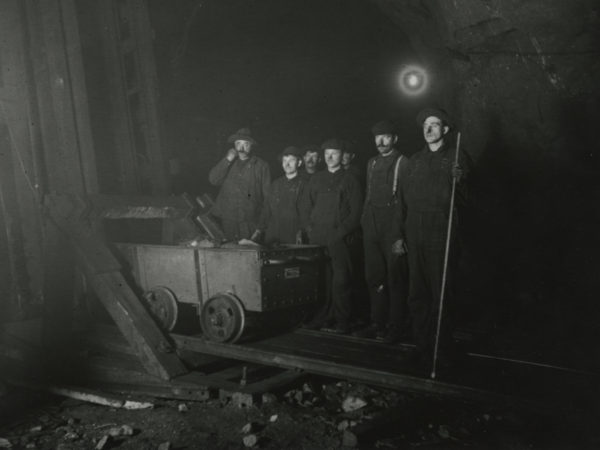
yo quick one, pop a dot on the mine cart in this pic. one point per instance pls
(233, 291)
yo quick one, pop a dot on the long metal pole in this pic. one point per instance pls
(445, 271)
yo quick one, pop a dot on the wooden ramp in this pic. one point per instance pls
(478, 377)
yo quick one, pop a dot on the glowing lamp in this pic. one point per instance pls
(413, 80)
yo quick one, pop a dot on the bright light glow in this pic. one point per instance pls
(413, 80)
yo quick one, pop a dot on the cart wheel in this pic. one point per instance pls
(223, 318)
(163, 306)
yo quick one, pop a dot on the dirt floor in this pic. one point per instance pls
(317, 414)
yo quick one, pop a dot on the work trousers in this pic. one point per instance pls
(426, 236)
(338, 304)
(387, 280)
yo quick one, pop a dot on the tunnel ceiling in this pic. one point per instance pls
(558, 26)
(526, 68)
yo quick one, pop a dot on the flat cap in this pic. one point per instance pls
(312, 148)
(292, 150)
(243, 134)
(334, 143)
(434, 112)
(383, 127)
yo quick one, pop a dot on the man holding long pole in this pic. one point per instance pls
(434, 184)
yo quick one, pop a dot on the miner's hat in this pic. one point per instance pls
(383, 127)
(243, 134)
(434, 112)
(334, 143)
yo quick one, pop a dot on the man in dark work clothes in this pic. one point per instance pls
(349, 163)
(331, 204)
(244, 179)
(312, 160)
(426, 193)
(280, 218)
(386, 265)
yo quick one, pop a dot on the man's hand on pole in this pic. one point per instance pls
(457, 172)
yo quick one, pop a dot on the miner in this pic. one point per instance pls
(280, 218)
(312, 160)
(386, 265)
(332, 205)
(426, 193)
(244, 179)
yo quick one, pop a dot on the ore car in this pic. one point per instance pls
(234, 291)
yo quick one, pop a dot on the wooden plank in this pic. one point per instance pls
(282, 380)
(341, 349)
(78, 92)
(226, 380)
(331, 342)
(65, 157)
(25, 131)
(167, 391)
(50, 144)
(148, 84)
(126, 163)
(353, 372)
(391, 362)
(138, 328)
(17, 194)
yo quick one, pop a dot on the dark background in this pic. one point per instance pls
(295, 73)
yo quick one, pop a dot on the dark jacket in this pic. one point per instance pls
(428, 184)
(331, 206)
(280, 218)
(244, 187)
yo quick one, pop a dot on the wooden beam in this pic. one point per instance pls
(67, 170)
(78, 93)
(357, 373)
(120, 117)
(102, 271)
(151, 126)
(19, 109)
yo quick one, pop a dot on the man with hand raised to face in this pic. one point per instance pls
(244, 180)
